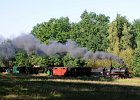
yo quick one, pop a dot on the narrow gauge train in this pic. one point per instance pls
(73, 72)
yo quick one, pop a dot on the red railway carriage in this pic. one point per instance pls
(59, 71)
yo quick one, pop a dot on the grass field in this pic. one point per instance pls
(50, 88)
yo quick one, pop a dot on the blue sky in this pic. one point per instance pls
(19, 16)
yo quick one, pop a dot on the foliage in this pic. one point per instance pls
(55, 61)
(121, 35)
(113, 38)
(54, 29)
(38, 60)
(98, 63)
(91, 31)
(136, 27)
(127, 56)
(71, 62)
(21, 58)
(136, 62)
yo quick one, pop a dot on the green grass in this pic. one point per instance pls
(33, 87)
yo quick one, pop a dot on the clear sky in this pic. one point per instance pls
(19, 16)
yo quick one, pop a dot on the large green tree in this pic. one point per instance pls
(122, 40)
(136, 60)
(54, 29)
(121, 35)
(91, 31)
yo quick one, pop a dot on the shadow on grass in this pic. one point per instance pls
(26, 88)
(84, 78)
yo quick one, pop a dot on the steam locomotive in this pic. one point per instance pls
(72, 72)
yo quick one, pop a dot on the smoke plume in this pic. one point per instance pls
(1, 39)
(31, 45)
(7, 50)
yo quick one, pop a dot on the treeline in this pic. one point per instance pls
(93, 31)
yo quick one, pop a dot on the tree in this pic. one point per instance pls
(22, 59)
(38, 60)
(91, 31)
(136, 27)
(136, 62)
(127, 56)
(73, 62)
(54, 29)
(121, 35)
(125, 39)
(122, 40)
(55, 61)
(113, 38)
(99, 63)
